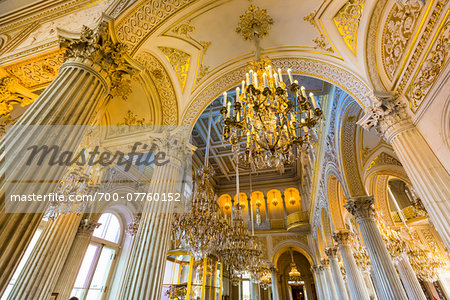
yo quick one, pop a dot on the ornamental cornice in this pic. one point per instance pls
(305, 66)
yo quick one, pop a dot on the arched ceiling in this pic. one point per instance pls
(197, 40)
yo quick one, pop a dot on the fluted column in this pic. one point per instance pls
(318, 281)
(339, 283)
(325, 288)
(384, 270)
(329, 279)
(145, 270)
(429, 177)
(74, 97)
(275, 287)
(74, 259)
(45, 263)
(355, 282)
(409, 278)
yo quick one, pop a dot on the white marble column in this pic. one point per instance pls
(329, 279)
(409, 278)
(72, 264)
(145, 271)
(42, 269)
(429, 177)
(74, 97)
(318, 282)
(275, 287)
(339, 283)
(355, 282)
(383, 267)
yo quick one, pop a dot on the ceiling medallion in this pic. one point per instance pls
(252, 18)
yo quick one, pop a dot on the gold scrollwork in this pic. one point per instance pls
(347, 22)
(179, 61)
(322, 44)
(429, 70)
(398, 29)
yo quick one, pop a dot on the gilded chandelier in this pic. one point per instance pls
(294, 274)
(273, 123)
(275, 119)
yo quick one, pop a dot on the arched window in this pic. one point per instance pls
(94, 274)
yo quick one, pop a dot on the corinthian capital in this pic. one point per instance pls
(95, 47)
(342, 237)
(361, 207)
(87, 226)
(388, 115)
(331, 251)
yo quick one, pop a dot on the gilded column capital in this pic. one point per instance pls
(95, 48)
(87, 226)
(133, 227)
(361, 207)
(342, 237)
(331, 252)
(325, 262)
(388, 115)
(316, 268)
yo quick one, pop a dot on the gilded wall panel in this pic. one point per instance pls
(397, 31)
(347, 22)
(431, 66)
(179, 61)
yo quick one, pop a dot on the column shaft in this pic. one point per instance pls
(145, 271)
(384, 270)
(429, 178)
(75, 87)
(275, 288)
(409, 278)
(80, 244)
(45, 263)
(339, 283)
(356, 286)
(329, 279)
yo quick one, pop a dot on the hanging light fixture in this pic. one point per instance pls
(203, 228)
(275, 119)
(294, 274)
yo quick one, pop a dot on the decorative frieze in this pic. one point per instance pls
(38, 72)
(163, 85)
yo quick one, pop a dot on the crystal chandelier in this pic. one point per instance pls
(266, 280)
(427, 263)
(275, 119)
(203, 229)
(240, 251)
(294, 274)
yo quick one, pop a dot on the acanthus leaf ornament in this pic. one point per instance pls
(95, 47)
(388, 116)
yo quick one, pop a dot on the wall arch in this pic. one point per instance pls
(296, 245)
(304, 66)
